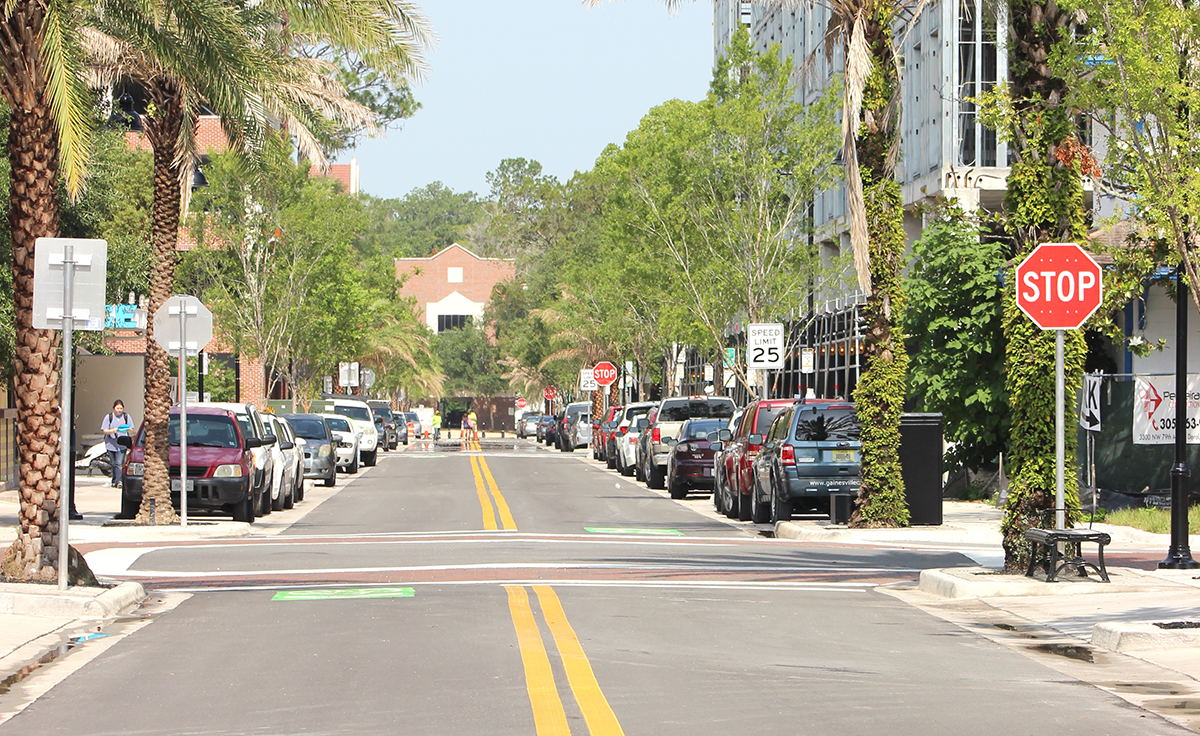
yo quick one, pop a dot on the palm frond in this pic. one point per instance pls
(70, 103)
(858, 70)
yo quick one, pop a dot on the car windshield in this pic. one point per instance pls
(700, 430)
(383, 411)
(766, 416)
(338, 424)
(411, 416)
(695, 409)
(821, 425)
(358, 413)
(204, 431)
(308, 427)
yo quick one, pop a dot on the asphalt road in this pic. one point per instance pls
(532, 593)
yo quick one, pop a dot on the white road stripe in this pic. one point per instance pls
(696, 584)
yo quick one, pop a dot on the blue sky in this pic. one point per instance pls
(550, 80)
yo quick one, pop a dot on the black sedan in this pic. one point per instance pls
(690, 465)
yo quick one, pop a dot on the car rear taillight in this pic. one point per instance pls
(565, 420)
(624, 430)
(787, 455)
(655, 435)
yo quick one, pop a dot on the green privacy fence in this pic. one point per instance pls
(1121, 465)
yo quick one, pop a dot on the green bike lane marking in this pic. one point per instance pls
(623, 530)
(342, 594)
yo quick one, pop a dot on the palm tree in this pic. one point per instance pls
(244, 55)
(49, 129)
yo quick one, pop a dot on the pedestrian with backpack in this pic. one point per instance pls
(116, 424)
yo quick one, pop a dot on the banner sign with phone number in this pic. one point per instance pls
(1154, 410)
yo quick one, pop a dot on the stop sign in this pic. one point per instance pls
(605, 373)
(549, 392)
(1059, 286)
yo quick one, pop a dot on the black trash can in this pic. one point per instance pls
(921, 467)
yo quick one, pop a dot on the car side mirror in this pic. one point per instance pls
(755, 439)
(253, 442)
(717, 446)
(285, 445)
(670, 441)
(642, 424)
(269, 439)
(724, 435)
(125, 441)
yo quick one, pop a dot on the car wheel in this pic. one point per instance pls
(264, 504)
(760, 513)
(244, 510)
(369, 458)
(129, 506)
(279, 502)
(718, 497)
(331, 481)
(566, 446)
(353, 467)
(744, 510)
(290, 501)
(658, 477)
(731, 504)
(678, 490)
(610, 461)
(300, 490)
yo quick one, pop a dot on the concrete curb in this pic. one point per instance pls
(1121, 636)
(30, 599)
(981, 582)
(792, 530)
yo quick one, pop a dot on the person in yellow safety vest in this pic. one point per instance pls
(437, 425)
(471, 417)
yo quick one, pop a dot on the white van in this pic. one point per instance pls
(361, 418)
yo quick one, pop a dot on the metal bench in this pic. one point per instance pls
(1045, 551)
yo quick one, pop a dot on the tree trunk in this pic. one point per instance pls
(33, 213)
(1044, 203)
(162, 129)
(879, 395)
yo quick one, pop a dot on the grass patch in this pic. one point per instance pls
(1152, 520)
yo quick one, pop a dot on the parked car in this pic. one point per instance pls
(359, 416)
(672, 413)
(289, 464)
(546, 427)
(811, 452)
(564, 435)
(642, 447)
(251, 422)
(690, 465)
(391, 425)
(320, 461)
(624, 423)
(347, 448)
(413, 422)
(581, 430)
(528, 425)
(732, 469)
(221, 465)
(627, 445)
(599, 428)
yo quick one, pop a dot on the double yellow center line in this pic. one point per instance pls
(549, 717)
(480, 468)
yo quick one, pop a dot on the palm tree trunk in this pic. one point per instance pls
(163, 131)
(879, 396)
(1044, 203)
(33, 213)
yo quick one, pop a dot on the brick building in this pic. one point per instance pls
(452, 287)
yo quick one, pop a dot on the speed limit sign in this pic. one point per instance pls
(764, 346)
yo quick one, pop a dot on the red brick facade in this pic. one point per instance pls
(454, 281)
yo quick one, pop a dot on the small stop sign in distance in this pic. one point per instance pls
(605, 373)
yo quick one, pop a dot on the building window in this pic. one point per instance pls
(452, 321)
(454, 275)
(978, 70)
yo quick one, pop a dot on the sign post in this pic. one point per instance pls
(764, 350)
(174, 320)
(68, 285)
(1059, 286)
(549, 394)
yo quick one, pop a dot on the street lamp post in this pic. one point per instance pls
(1179, 557)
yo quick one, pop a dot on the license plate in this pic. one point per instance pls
(843, 456)
(175, 485)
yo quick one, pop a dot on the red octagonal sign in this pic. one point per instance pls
(1059, 286)
(605, 373)
(550, 392)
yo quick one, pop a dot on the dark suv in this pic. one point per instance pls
(389, 435)
(811, 452)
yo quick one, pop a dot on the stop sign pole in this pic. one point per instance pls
(1059, 287)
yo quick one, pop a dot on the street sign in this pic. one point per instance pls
(764, 346)
(1059, 286)
(522, 403)
(1089, 406)
(550, 393)
(348, 375)
(587, 382)
(169, 327)
(327, 384)
(808, 360)
(89, 263)
(368, 378)
(605, 373)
